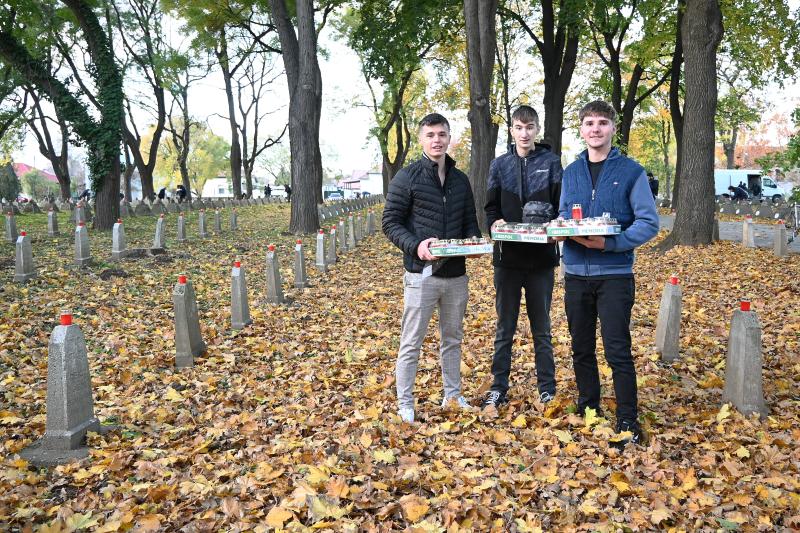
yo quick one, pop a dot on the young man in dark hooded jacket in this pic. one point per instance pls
(529, 172)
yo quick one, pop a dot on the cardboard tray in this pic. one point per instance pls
(611, 229)
(452, 250)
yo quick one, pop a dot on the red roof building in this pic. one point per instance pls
(20, 169)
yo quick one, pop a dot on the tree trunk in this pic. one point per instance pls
(559, 63)
(480, 17)
(236, 150)
(675, 99)
(730, 149)
(107, 199)
(128, 174)
(299, 52)
(702, 33)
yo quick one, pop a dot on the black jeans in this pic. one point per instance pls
(538, 285)
(611, 300)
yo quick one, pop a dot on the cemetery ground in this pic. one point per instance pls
(291, 422)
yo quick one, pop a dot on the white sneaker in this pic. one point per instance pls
(407, 414)
(460, 400)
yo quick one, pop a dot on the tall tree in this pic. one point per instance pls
(702, 33)
(40, 124)
(392, 42)
(675, 94)
(102, 136)
(251, 91)
(140, 30)
(299, 51)
(634, 69)
(560, 23)
(480, 17)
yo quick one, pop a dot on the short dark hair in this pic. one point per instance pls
(525, 114)
(649, 174)
(598, 107)
(434, 119)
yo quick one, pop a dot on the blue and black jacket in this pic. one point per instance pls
(622, 190)
(539, 173)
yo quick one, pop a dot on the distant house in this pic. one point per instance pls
(20, 169)
(362, 182)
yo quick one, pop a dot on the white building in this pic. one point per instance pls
(363, 182)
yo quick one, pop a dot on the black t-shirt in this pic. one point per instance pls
(595, 168)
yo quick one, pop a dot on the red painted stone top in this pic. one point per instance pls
(182, 279)
(744, 305)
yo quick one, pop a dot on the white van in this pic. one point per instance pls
(752, 178)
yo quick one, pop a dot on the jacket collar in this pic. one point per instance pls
(537, 149)
(449, 162)
(613, 154)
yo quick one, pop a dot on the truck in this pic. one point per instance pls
(765, 187)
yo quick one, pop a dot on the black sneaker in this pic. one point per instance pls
(547, 397)
(637, 436)
(494, 398)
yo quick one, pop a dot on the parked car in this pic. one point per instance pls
(335, 196)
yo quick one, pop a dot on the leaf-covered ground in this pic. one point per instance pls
(291, 422)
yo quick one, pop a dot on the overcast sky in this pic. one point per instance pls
(346, 120)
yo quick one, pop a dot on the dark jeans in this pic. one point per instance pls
(538, 285)
(611, 300)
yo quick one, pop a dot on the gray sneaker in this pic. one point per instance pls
(460, 400)
(406, 414)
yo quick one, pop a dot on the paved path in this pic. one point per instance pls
(732, 231)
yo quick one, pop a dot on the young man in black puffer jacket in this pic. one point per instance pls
(430, 199)
(537, 171)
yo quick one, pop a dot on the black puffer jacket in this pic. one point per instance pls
(540, 175)
(418, 207)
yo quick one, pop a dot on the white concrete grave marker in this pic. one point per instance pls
(668, 326)
(23, 266)
(240, 308)
(743, 364)
(188, 340)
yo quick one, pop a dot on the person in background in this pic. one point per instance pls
(653, 182)
(180, 192)
(288, 190)
(737, 193)
(162, 193)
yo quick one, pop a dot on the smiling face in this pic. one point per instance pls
(524, 134)
(435, 139)
(598, 132)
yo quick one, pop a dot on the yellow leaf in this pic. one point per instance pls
(109, 527)
(742, 452)
(620, 482)
(149, 522)
(384, 456)
(321, 507)
(563, 436)
(414, 507)
(277, 516)
(173, 395)
(80, 521)
(590, 417)
(502, 437)
(520, 422)
(659, 515)
(365, 440)
(724, 412)
(316, 476)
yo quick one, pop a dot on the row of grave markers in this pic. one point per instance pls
(25, 270)
(744, 361)
(70, 410)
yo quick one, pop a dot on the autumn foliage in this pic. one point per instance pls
(291, 423)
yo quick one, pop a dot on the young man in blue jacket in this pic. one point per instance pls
(528, 172)
(598, 278)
